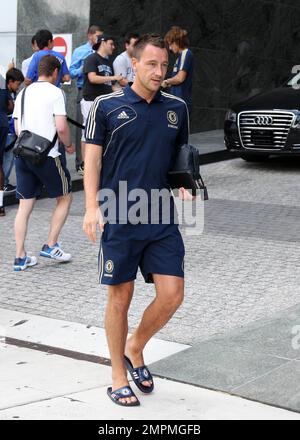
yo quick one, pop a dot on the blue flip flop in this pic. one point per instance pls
(139, 375)
(122, 393)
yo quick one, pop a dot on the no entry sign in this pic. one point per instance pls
(62, 43)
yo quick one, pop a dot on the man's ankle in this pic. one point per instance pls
(21, 255)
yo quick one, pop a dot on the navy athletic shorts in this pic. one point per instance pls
(53, 175)
(155, 249)
(3, 137)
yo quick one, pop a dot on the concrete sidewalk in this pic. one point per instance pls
(36, 383)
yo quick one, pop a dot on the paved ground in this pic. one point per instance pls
(241, 313)
(38, 382)
(242, 268)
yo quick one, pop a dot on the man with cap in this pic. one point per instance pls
(76, 72)
(99, 77)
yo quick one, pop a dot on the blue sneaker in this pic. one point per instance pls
(55, 252)
(23, 263)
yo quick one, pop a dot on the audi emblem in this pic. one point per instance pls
(263, 120)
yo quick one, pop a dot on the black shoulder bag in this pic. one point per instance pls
(186, 171)
(31, 146)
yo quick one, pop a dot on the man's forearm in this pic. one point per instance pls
(101, 79)
(64, 136)
(92, 170)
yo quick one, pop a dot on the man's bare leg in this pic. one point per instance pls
(169, 296)
(116, 326)
(21, 224)
(59, 217)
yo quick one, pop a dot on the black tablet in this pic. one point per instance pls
(182, 179)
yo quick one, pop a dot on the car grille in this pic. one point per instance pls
(265, 130)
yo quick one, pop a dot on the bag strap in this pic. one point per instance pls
(54, 140)
(22, 106)
(76, 123)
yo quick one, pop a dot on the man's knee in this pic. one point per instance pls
(119, 297)
(26, 206)
(66, 199)
(175, 297)
(171, 295)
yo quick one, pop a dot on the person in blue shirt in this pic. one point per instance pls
(76, 71)
(44, 41)
(133, 136)
(180, 82)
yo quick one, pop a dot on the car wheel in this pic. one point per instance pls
(254, 157)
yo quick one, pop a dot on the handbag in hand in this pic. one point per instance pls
(186, 171)
(31, 146)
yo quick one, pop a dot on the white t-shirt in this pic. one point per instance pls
(122, 66)
(43, 101)
(25, 65)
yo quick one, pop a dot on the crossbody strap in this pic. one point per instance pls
(22, 105)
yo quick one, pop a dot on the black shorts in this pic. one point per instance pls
(3, 137)
(53, 175)
(155, 249)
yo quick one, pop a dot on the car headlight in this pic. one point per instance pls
(231, 116)
(296, 123)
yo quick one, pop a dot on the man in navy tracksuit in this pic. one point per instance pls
(132, 139)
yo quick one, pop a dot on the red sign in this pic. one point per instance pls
(60, 45)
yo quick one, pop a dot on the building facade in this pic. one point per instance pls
(241, 47)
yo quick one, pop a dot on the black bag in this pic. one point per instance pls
(31, 146)
(186, 171)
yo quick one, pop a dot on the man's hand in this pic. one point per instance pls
(92, 218)
(70, 149)
(117, 78)
(184, 194)
(11, 65)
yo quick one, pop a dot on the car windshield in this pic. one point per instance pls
(294, 81)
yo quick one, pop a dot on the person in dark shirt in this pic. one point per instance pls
(99, 77)
(14, 80)
(6, 105)
(180, 82)
(133, 136)
(76, 72)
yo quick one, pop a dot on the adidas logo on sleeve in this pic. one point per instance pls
(123, 115)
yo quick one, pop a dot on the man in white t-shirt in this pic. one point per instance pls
(122, 64)
(44, 113)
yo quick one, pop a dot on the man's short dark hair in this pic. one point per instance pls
(144, 40)
(131, 35)
(33, 40)
(93, 29)
(42, 38)
(14, 74)
(47, 65)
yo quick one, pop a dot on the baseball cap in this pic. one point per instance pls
(103, 37)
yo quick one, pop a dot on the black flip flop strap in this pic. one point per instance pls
(123, 393)
(142, 374)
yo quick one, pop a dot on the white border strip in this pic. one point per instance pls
(73, 336)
